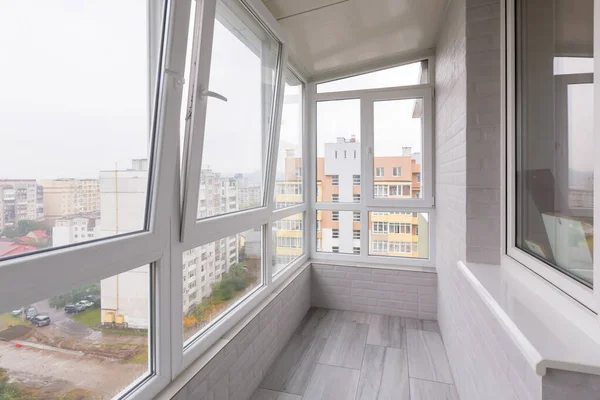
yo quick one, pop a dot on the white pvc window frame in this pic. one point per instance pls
(195, 232)
(586, 296)
(171, 203)
(424, 204)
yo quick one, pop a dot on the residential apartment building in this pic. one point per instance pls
(20, 200)
(64, 197)
(75, 229)
(395, 177)
(123, 196)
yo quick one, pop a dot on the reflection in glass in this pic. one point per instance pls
(555, 133)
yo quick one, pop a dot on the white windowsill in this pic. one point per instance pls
(550, 328)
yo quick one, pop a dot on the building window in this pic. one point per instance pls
(356, 234)
(355, 154)
(381, 191)
(380, 227)
(415, 247)
(335, 233)
(335, 198)
(336, 154)
(335, 180)
(335, 215)
(418, 177)
(345, 154)
(397, 171)
(356, 180)
(356, 198)
(554, 164)
(379, 172)
(335, 249)
(298, 172)
(356, 216)
(380, 246)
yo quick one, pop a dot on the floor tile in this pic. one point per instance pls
(394, 380)
(332, 383)
(370, 373)
(317, 322)
(422, 325)
(291, 370)
(427, 356)
(345, 345)
(386, 331)
(428, 390)
(266, 394)
(354, 316)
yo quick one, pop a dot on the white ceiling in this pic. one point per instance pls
(329, 35)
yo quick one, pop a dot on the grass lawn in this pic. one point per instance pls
(89, 317)
(7, 319)
(140, 358)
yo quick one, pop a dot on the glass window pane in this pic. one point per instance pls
(217, 276)
(288, 241)
(403, 75)
(337, 235)
(288, 185)
(243, 69)
(78, 129)
(399, 234)
(90, 342)
(555, 159)
(398, 138)
(338, 134)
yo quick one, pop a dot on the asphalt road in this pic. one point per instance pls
(61, 321)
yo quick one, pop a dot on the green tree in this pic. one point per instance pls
(75, 295)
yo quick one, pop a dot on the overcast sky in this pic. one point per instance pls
(73, 79)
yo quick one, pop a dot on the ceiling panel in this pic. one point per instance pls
(287, 8)
(340, 35)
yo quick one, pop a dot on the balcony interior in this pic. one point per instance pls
(383, 272)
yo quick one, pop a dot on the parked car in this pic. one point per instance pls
(40, 320)
(30, 313)
(18, 312)
(74, 308)
(85, 304)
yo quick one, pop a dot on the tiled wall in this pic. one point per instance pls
(483, 131)
(486, 364)
(236, 370)
(374, 290)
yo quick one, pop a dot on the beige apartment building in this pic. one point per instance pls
(63, 197)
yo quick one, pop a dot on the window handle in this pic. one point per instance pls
(216, 95)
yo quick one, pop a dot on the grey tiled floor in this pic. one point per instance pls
(343, 355)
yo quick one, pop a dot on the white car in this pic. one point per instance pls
(18, 312)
